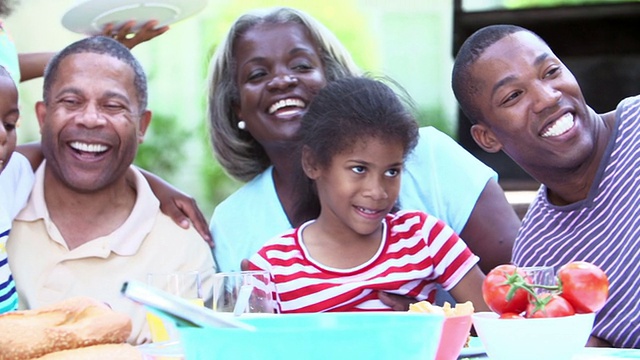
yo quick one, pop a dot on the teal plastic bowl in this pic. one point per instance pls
(357, 335)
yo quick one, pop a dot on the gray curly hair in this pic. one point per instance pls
(237, 151)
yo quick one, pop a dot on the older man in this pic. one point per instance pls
(88, 226)
(524, 101)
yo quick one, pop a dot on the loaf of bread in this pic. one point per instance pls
(97, 352)
(74, 323)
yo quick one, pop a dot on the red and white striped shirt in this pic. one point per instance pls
(417, 252)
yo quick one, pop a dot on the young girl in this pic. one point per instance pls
(16, 180)
(353, 141)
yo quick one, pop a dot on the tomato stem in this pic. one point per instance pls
(517, 281)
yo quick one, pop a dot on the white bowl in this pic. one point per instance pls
(533, 339)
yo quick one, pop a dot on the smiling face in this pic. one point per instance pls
(279, 71)
(532, 106)
(9, 115)
(92, 125)
(359, 187)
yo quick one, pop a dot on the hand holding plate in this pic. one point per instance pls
(129, 38)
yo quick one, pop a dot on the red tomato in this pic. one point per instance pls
(584, 285)
(549, 305)
(511, 315)
(496, 287)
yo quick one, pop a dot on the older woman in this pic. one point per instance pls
(262, 78)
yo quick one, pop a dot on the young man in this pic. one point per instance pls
(524, 101)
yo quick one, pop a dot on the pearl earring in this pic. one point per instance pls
(242, 125)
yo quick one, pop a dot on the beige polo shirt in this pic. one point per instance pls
(46, 271)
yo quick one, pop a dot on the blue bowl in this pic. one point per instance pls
(356, 335)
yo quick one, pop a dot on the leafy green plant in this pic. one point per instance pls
(436, 117)
(162, 152)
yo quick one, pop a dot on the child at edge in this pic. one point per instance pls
(16, 180)
(352, 243)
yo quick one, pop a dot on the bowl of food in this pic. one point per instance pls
(532, 317)
(558, 338)
(353, 335)
(455, 328)
(206, 335)
(455, 335)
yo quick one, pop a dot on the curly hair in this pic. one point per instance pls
(348, 109)
(240, 155)
(7, 6)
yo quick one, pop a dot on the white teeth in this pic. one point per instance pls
(93, 148)
(284, 103)
(366, 211)
(561, 126)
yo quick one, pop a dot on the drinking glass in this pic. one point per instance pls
(244, 292)
(540, 275)
(183, 284)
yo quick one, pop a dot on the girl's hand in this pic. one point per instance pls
(396, 302)
(129, 39)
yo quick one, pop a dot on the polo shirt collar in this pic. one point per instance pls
(124, 241)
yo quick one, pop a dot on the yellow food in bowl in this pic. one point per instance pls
(465, 308)
(462, 309)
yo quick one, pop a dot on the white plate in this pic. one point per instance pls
(90, 16)
(475, 348)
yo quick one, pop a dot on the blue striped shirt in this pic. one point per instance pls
(16, 181)
(603, 229)
(8, 295)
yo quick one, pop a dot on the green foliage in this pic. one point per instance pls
(437, 118)
(163, 150)
(216, 184)
(169, 150)
(516, 4)
(340, 16)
